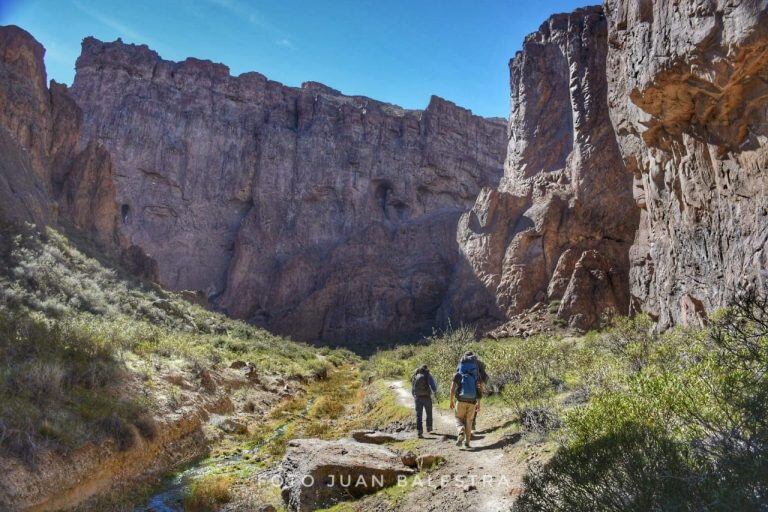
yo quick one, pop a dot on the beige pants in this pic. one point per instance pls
(465, 413)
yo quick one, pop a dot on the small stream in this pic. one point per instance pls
(169, 496)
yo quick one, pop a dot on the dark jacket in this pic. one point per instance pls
(430, 380)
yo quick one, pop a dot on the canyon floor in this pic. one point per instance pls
(486, 476)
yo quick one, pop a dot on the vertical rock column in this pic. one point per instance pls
(559, 226)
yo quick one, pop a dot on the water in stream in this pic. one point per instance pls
(170, 495)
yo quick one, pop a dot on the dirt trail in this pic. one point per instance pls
(495, 461)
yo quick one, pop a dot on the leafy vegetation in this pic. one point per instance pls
(74, 334)
(686, 430)
(530, 376)
(646, 421)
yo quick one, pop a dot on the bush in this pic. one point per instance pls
(19, 442)
(539, 419)
(147, 426)
(687, 430)
(536, 366)
(633, 469)
(208, 492)
(41, 380)
(119, 429)
(631, 338)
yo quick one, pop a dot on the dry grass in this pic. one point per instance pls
(208, 493)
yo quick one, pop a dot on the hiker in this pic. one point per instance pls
(467, 389)
(422, 387)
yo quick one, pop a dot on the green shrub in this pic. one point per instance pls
(687, 429)
(633, 469)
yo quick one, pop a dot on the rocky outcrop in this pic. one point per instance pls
(560, 224)
(688, 95)
(323, 216)
(317, 474)
(48, 173)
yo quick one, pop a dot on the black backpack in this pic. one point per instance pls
(421, 385)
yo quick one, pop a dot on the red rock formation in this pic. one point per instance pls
(688, 93)
(560, 224)
(48, 173)
(334, 218)
(319, 215)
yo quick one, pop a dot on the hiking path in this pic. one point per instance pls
(486, 477)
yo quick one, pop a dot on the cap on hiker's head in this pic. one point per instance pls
(468, 354)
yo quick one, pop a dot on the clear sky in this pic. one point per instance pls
(399, 51)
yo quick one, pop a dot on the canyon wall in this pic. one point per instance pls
(326, 217)
(558, 228)
(688, 95)
(48, 173)
(634, 178)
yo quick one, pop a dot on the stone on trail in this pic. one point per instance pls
(428, 461)
(376, 437)
(317, 474)
(409, 459)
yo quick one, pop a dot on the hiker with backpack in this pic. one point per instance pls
(422, 387)
(466, 390)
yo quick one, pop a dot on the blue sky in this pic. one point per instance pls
(400, 51)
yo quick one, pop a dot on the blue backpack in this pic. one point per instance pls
(470, 374)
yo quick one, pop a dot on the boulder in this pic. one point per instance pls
(409, 459)
(428, 461)
(233, 426)
(317, 474)
(376, 437)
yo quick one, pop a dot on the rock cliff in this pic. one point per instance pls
(558, 228)
(688, 94)
(48, 173)
(634, 179)
(323, 216)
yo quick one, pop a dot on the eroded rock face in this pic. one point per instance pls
(560, 224)
(319, 215)
(688, 93)
(48, 173)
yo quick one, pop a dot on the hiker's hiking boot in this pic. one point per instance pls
(460, 439)
(420, 435)
(466, 445)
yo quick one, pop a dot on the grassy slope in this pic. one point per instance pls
(72, 328)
